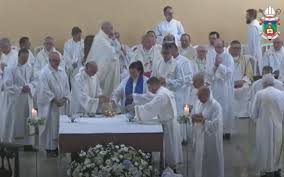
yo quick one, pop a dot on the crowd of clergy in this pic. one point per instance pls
(155, 79)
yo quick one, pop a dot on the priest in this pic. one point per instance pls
(165, 70)
(19, 88)
(257, 85)
(73, 52)
(9, 56)
(200, 63)
(53, 97)
(136, 83)
(274, 56)
(211, 53)
(42, 57)
(243, 76)
(182, 83)
(125, 55)
(254, 40)
(147, 53)
(186, 48)
(163, 107)
(222, 84)
(208, 156)
(169, 26)
(25, 42)
(104, 54)
(268, 113)
(86, 92)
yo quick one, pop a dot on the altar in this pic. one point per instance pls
(86, 132)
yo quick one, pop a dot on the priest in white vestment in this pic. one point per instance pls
(103, 52)
(42, 57)
(86, 92)
(268, 112)
(166, 69)
(207, 136)
(222, 84)
(254, 40)
(9, 56)
(136, 83)
(148, 54)
(73, 53)
(257, 85)
(274, 56)
(164, 107)
(53, 97)
(19, 88)
(186, 48)
(211, 53)
(153, 37)
(182, 84)
(125, 55)
(169, 26)
(25, 42)
(201, 63)
(243, 76)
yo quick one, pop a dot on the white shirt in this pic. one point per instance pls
(73, 51)
(173, 27)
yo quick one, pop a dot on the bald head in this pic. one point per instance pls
(48, 43)
(203, 94)
(54, 60)
(267, 80)
(198, 80)
(219, 46)
(107, 28)
(5, 45)
(277, 44)
(91, 68)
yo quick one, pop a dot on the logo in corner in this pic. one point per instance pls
(270, 22)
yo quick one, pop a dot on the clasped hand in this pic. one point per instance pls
(198, 118)
(26, 89)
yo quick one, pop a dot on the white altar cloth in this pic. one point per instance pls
(116, 124)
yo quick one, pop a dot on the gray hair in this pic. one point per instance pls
(48, 38)
(106, 23)
(5, 42)
(267, 80)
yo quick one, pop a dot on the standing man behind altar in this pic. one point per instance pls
(169, 26)
(148, 53)
(136, 83)
(73, 52)
(104, 53)
(163, 106)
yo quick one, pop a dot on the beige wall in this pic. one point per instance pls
(38, 18)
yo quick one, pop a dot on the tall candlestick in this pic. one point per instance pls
(34, 113)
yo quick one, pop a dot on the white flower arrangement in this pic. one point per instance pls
(36, 121)
(111, 161)
(185, 117)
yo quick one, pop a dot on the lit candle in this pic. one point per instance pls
(186, 109)
(34, 113)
